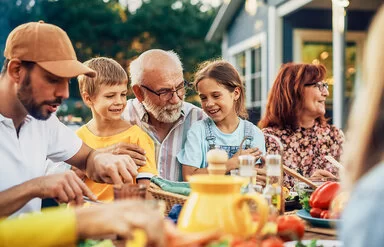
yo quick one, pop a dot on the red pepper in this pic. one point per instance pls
(314, 194)
(323, 195)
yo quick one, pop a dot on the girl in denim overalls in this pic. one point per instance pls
(221, 92)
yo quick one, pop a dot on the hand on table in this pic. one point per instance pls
(64, 187)
(121, 218)
(112, 169)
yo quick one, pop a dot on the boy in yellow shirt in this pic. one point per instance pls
(106, 95)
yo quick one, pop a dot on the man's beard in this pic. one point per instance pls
(166, 114)
(25, 95)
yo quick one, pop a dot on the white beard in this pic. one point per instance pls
(166, 114)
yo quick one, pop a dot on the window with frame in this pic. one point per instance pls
(249, 65)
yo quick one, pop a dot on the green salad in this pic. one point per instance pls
(304, 201)
(96, 243)
(313, 243)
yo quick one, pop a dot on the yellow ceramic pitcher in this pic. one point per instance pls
(215, 202)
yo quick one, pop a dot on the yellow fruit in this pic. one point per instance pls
(285, 192)
(270, 228)
(139, 239)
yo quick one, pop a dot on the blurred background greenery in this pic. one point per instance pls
(121, 30)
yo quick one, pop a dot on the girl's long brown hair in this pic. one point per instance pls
(286, 96)
(225, 74)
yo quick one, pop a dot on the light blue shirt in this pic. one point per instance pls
(363, 217)
(196, 146)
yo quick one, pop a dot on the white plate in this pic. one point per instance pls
(324, 243)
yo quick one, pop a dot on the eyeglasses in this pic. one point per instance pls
(320, 85)
(167, 94)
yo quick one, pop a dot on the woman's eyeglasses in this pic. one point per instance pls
(320, 85)
(167, 94)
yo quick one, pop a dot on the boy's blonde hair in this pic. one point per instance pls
(109, 72)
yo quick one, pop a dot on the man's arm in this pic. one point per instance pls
(104, 167)
(16, 197)
(64, 187)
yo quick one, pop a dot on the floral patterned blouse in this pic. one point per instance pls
(305, 149)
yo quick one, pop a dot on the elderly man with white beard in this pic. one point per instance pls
(159, 108)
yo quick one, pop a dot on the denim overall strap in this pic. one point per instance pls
(209, 135)
(248, 134)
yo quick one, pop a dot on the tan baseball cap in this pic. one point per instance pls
(47, 45)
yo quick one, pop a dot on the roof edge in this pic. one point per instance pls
(222, 19)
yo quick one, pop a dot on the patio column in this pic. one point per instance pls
(338, 43)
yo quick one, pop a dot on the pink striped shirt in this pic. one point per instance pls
(166, 151)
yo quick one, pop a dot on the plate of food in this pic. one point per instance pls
(319, 222)
(314, 243)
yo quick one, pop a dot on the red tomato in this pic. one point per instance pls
(236, 242)
(324, 214)
(272, 242)
(290, 227)
(315, 212)
(240, 242)
(245, 243)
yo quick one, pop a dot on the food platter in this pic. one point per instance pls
(325, 223)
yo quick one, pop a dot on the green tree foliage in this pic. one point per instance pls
(176, 25)
(106, 28)
(93, 25)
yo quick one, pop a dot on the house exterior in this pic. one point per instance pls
(258, 40)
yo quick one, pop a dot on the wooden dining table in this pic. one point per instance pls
(310, 233)
(319, 233)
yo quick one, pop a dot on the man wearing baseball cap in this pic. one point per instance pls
(40, 60)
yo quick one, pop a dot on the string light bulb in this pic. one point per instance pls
(251, 6)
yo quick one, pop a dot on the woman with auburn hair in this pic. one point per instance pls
(295, 114)
(362, 219)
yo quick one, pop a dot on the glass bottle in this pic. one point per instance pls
(272, 190)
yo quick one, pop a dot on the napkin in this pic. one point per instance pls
(181, 188)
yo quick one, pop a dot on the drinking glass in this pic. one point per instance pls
(247, 169)
(247, 165)
(129, 191)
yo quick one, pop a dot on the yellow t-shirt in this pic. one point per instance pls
(53, 227)
(134, 135)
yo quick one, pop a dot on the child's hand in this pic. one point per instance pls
(252, 151)
(134, 151)
(233, 162)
